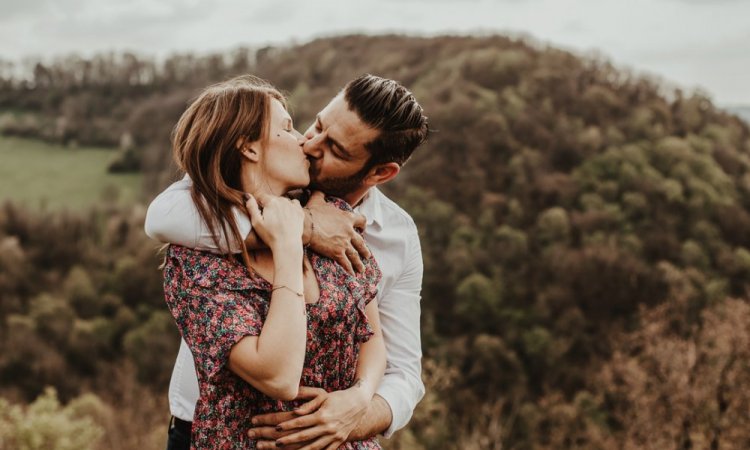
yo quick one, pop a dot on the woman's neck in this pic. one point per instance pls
(255, 183)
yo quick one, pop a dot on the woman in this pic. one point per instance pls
(260, 327)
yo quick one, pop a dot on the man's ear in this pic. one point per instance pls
(248, 149)
(382, 173)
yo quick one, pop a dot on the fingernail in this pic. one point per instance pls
(246, 196)
(254, 421)
(251, 434)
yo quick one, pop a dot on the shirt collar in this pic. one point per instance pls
(371, 207)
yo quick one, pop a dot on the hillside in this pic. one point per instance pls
(741, 111)
(585, 231)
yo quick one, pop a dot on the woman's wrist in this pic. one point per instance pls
(291, 248)
(308, 228)
(362, 392)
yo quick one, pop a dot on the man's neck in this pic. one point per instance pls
(356, 197)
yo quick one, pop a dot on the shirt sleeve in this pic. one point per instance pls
(173, 218)
(212, 319)
(402, 386)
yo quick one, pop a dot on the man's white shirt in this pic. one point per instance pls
(393, 240)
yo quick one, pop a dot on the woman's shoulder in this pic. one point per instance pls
(206, 269)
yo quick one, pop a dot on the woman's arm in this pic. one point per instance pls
(273, 361)
(371, 364)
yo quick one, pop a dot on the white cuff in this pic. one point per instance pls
(396, 395)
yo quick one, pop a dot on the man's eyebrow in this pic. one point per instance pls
(345, 153)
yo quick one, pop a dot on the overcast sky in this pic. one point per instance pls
(693, 43)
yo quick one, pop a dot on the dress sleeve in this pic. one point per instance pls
(364, 294)
(370, 279)
(211, 317)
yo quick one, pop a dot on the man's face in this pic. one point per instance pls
(336, 149)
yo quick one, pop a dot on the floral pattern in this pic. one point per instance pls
(216, 301)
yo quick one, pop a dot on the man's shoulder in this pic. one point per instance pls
(392, 213)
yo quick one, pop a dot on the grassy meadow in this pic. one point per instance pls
(42, 175)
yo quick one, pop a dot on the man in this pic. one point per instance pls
(358, 141)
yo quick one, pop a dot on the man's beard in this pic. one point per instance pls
(337, 186)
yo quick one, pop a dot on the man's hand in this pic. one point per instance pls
(322, 423)
(334, 233)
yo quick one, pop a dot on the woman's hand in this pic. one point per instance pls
(280, 224)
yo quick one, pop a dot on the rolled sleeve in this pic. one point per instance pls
(402, 386)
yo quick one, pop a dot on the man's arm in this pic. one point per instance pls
(173, 218)
(375, 420)
(401, 388)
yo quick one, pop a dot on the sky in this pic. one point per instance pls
(695, 44)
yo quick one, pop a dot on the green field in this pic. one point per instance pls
(42, 175)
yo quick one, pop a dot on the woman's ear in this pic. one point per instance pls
(248, 149)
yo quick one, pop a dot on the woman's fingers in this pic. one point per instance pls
(310, 392)
(310, 406)
(253, 209)
(264, 198)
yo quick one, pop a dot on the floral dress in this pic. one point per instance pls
(216, 301)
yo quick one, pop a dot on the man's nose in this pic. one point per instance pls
(311, 147)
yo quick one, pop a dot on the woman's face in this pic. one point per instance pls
(284, 163)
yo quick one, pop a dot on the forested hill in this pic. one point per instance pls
(586, 231)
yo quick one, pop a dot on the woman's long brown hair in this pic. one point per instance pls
(204, 146)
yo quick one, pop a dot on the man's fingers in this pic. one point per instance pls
(353, 257)
(272, 419)
(360, 221)
(358, 242)
(343, 259)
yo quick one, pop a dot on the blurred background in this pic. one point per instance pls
(583, 206)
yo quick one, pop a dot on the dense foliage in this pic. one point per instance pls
(586, 236)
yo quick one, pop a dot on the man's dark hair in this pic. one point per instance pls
(390, 108)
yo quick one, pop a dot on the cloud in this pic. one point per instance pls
(14, 10)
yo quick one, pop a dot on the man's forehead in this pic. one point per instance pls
(344, 125)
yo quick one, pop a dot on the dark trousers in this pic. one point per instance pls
(178, 436)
